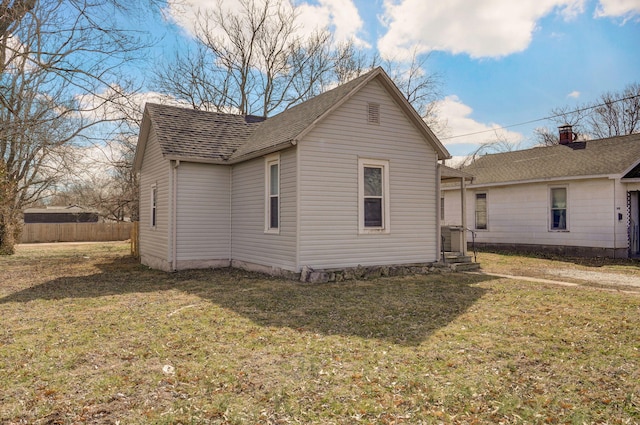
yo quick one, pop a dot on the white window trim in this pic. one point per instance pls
(268, 162)
(153, 206)
(475, 211)
(386, 204)
(550, 204)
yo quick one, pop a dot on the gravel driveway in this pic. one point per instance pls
(597, 277)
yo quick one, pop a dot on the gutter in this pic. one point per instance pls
(543, 180)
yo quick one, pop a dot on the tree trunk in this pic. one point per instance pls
(8, 232)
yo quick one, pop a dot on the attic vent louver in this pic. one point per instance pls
(373, 113)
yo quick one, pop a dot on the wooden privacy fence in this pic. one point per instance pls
(75, 232)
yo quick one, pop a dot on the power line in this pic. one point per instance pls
(542, 119)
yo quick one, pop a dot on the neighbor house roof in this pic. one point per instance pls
(615, 156)
(202, 136)
(448, 174)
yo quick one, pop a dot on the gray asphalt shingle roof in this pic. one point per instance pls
(203, 135)
(611, 156)
(185, 133)
(288, 125)
(188, 133)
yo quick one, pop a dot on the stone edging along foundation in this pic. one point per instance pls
(309, 275)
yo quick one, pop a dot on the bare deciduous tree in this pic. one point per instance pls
(420, 88)
(618, 113)
(51, 54)
(254, 61)
(349, 62)
(612, 114)
(251, 61)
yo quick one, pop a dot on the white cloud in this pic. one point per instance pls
(457, 116)
(340, 16)
(627, 9)
(574, 94)
(481, 28)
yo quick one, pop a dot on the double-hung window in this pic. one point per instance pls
(373, 188)
(272, 193)
(481, 211)
(558, 210)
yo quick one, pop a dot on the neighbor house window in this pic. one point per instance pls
(373, 191)
(272, 193)
(481, 211)
(441, 208)
(154, 205)
(558, 208)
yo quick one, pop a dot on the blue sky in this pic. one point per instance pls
(502, 62)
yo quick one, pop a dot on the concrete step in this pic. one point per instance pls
(465, 267)
(457, 258)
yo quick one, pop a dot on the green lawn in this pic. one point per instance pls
(90, 336)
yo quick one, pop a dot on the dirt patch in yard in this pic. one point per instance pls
(623, 274)
(602, 278)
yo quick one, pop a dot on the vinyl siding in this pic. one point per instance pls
(519, 214)
(250, 243)
(328, 174)
(203, 220)
(155, 170)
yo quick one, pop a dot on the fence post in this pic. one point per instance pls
(135, 251)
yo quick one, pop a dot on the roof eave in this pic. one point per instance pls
(145, 128)
(196, 159)
(261, 152)
(451, 174)
(409, 110)
(631, 167)
(533, 181)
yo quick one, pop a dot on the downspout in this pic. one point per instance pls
(463, 196)
(298, 266)
(174, 218)
(615, 220)
(438, 209)
(230, 215)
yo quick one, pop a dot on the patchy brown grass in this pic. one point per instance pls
(90, 336)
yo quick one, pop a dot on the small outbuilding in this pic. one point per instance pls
(67, 214)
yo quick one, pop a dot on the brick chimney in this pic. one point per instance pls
(566, 134)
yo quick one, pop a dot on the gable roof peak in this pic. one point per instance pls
(291, 125)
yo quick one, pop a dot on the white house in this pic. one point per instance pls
(574, 198)
(349, 178)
